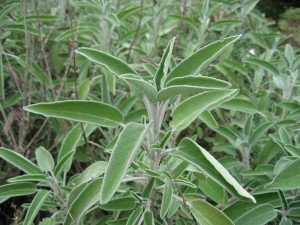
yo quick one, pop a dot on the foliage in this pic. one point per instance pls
(147, 112)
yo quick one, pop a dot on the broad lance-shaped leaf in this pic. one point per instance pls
(19, 161)
(264, 64)
(191, 152)
(260, 215)
(112, 63)
(135, 216)
(71, 141)
(201, 58)
(35, 206)
(17, 189)
(288, 178)
(120, 204)
(94, 170)
(81, 111)
(191, 84)
(188, 110)
(141, 87)
(166, 201)
(207, 214)
(240, 105)
(44, 159)
(208, 119)
(162, 70)
(127, 145)
(28, 178)
(88, 197)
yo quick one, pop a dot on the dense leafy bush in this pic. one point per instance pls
(147, 112)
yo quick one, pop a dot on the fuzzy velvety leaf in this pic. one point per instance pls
(28, 178)
(288, 178)
(35, 206)
(201, 58)
(166, 201)
(191, 152)
(191, 84)
(188, 110)
(141, 87)
(120, 204)
(17, 189)
(135, 216)
(19, 161)
(112, 63)
(91, 172)
(208, 119)
(88, 197)
(162, 70)
(127, 145)
(240, 105)
(71, 141)
(148, 218)
(259, 131)
(2, 95)
(264, 64)
(44, 159)
(259, 216)
(81, 111)
(207, 214)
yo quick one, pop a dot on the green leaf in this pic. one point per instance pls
(71, 141)
(64, 163)
(259, 131)
(226, 23)
(19, 161)
(240, 105)
(208, 119)
(112, 63)
(35, 70)
(141, 87)
(260, 215)
(81, 111)
(44, 159)
(212, 189)
(28, 178)
(126, 147)
(288, 178)
(39, 18)
(187, 111)
(120, 204)
(201, 58)
(259, 40)
(35, 206)
(264, 64)
(135, 216)
(88, 197)
(124, 12)
(284, 136)
(9, 6)
(17, 189)
(191, 84)
(162, 70)
(207, 214)
(148, 188)
(191, 152)
(148, 218)
(91, 172)
(166, 201)
(2, 93)
(20, 28)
